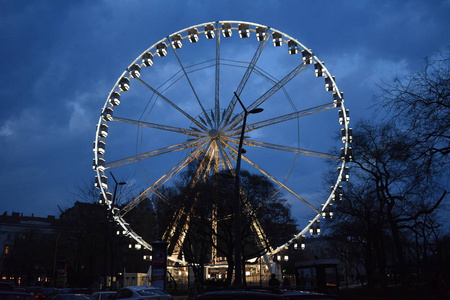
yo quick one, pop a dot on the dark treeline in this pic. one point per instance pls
(393, 223)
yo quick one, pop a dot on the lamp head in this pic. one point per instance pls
(256, 110)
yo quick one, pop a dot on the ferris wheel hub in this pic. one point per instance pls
(213, 133)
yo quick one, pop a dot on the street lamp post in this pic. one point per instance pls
(237, 212)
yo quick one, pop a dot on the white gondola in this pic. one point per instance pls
(226, 29)
(103, 131)
(341, 116)
(318, 69)
(176, 41)
(135, 71)
(327, 211)
(277, 39)
(114, 99)
(244, 31)
(99, 165)
(315, 228)
(307, 57)
(103, 182)
(292, 47)
(161, 49)
(338, 194)
(338, 98)
(329, 87)
(106, 200)
(260, 33)
(193, 35)
(107, 114)
(345, 176)
(209, 31)
(147, 59)
(347, 133)
(124, 84)
(100, 147)
(347, 156)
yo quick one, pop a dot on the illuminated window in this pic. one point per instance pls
(6, 250)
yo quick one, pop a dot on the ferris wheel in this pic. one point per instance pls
(185, 98)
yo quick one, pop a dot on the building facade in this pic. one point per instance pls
(20, 236)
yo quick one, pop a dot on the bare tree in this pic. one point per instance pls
(360, 231)
(392, 190)
(421, 101)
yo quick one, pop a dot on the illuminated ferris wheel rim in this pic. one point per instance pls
(210, 29)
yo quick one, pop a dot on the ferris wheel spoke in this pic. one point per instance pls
(217, 162)
(249, 142)
(276, 87)
(180, 225)
(172, 104)
(211, 159)
(284, 118)
(185, 131)
(175, 170)
(217, 81)
(207, 162)
(192, 87)
(188, 208)
(153, 153)
(281, 184)
(243, 82)
(162, 197)
(275, 180)
(205, 165)
(260, 235)
(224, 157)
(288, 117)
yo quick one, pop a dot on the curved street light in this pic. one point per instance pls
(237, 212)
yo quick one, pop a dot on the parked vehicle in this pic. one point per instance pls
(104, 295)
(262, 293)
(85, 291)
(141, 293)
(11, 295)
(73, 297)
(41, 293)
(6, 286)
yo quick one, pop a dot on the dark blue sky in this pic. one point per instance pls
(60, 59)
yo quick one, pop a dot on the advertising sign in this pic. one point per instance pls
(159, 264)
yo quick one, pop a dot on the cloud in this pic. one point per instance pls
(60, 67)
(84, 107)
(78, 119)
(26, 124)
(6, 130)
